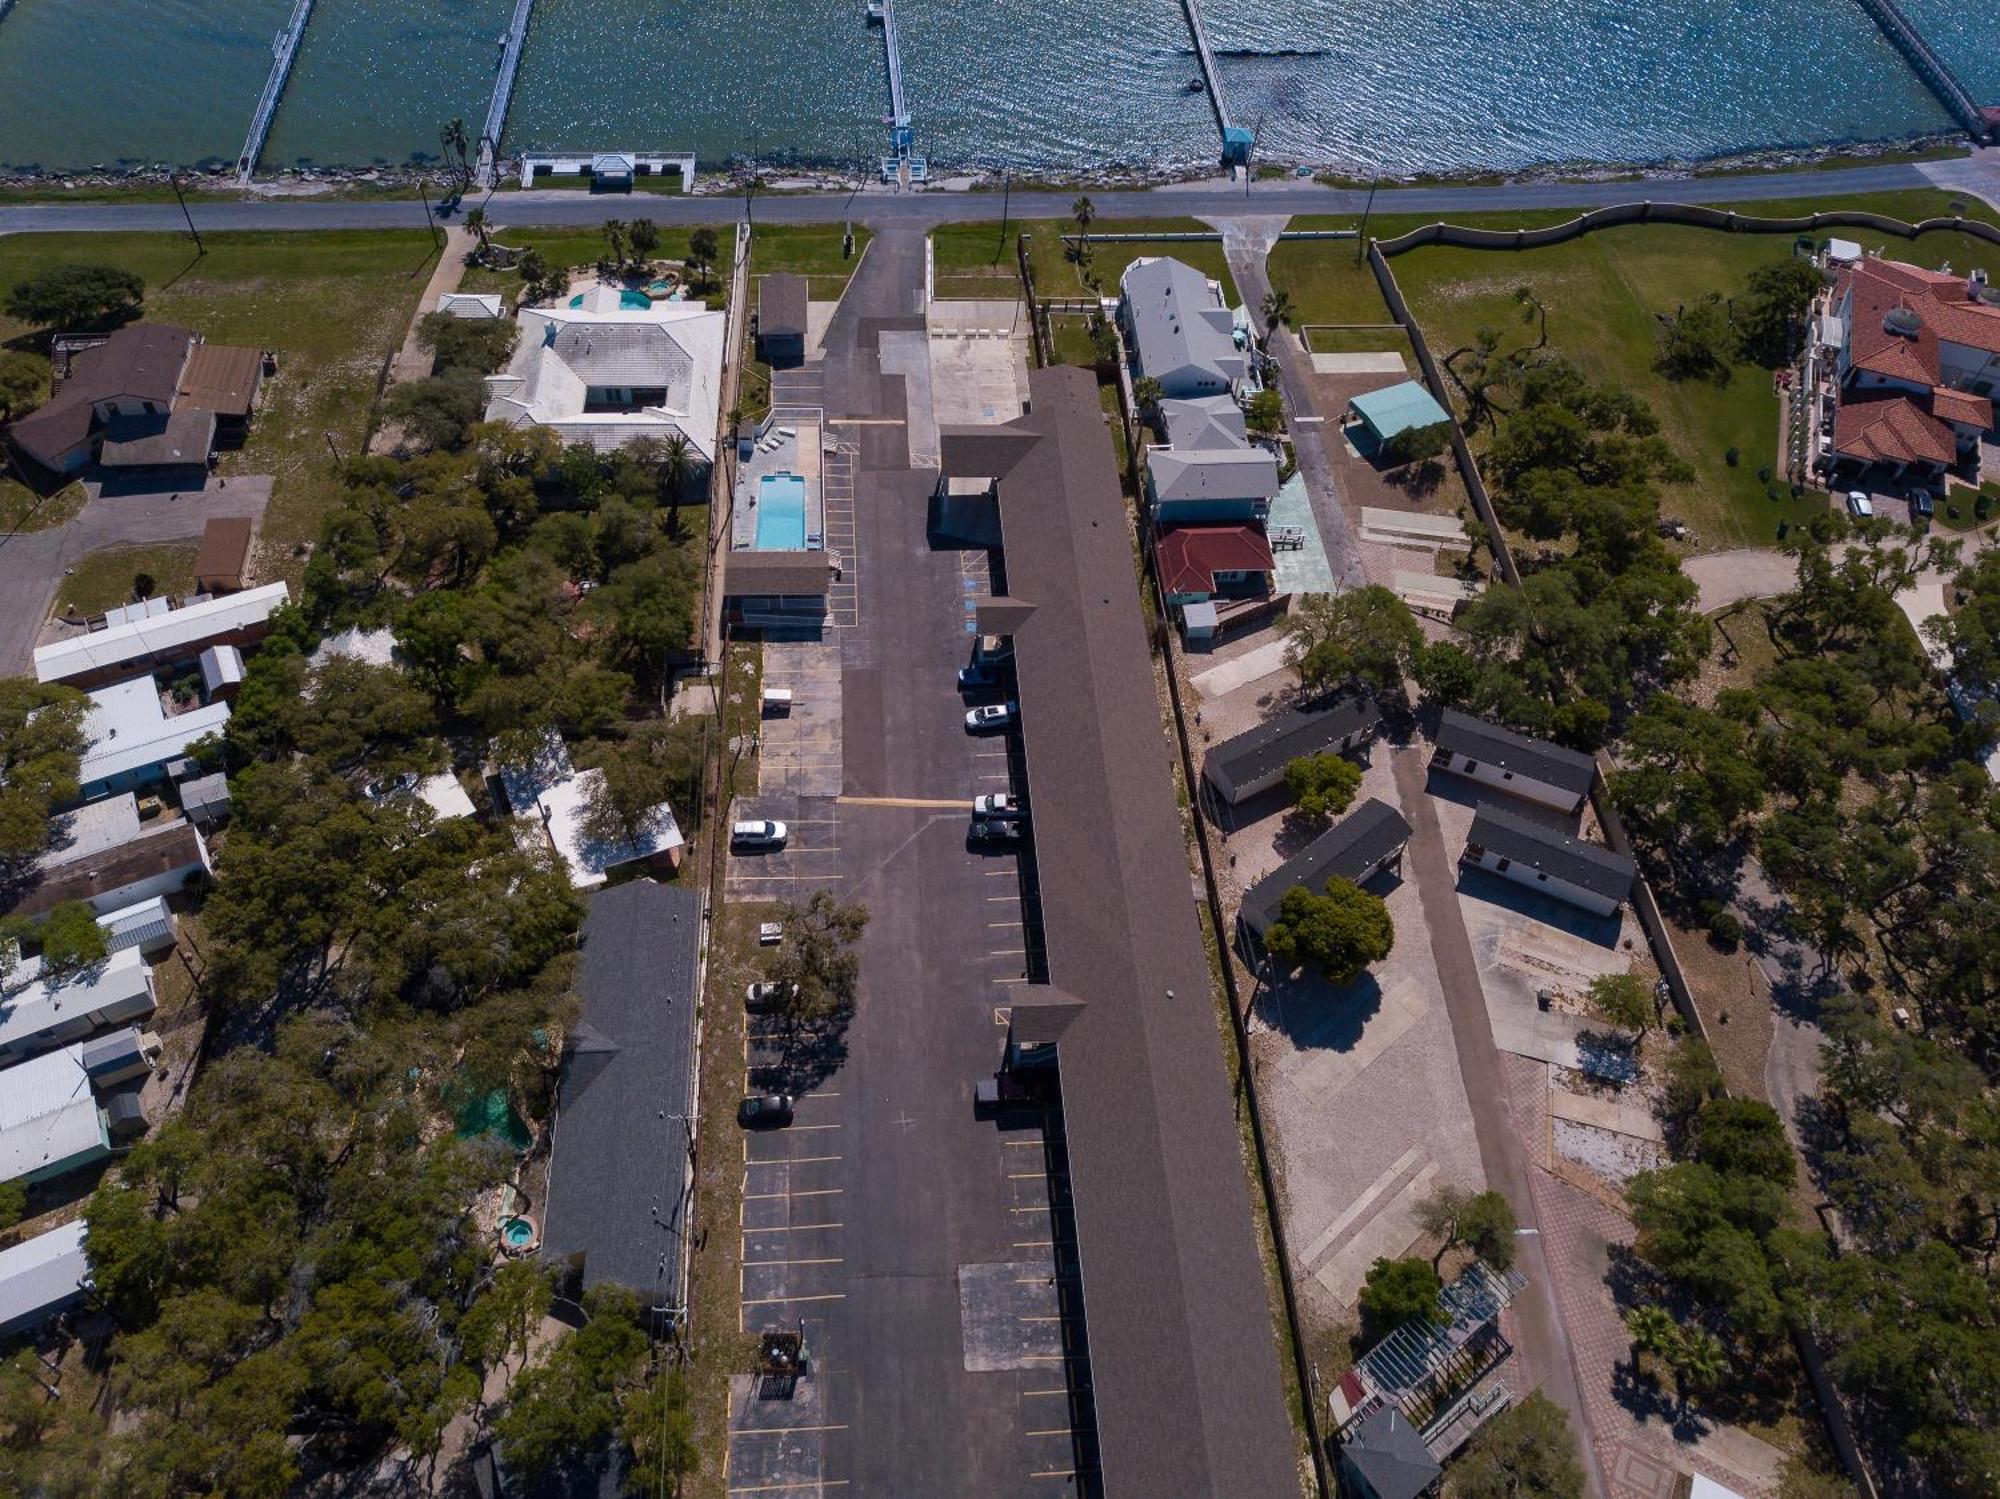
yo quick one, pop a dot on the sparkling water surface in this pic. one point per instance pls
(1393, 85)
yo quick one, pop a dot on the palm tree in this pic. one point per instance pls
(1700, 1364)
(1147, 392)
(475, 220)
(1653, 1330)
(456, 146)
(645, 236)
(614, 236)
(676, 468)
(1083, 211)
(1277, 308)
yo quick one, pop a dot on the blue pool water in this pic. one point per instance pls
(634, 300)
(781, 513)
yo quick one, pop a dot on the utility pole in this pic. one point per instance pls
(1006, 199)
(193, 233)
(426, 199)
(1361, 239)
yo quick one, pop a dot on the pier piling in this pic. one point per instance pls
(503, 90)
(283, 50)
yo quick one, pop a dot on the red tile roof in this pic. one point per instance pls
(1944, 307)
(1891, 429)
(1961, 406)
(1191, 556)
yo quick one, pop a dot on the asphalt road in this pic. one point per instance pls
(925, 209)
(918, 1236)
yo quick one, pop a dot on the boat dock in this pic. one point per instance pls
(902, 165)
(283, 50)
(1932, 69)
(503, 89)
(1235, 140)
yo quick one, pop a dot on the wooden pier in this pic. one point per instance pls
(1210, 74)
(283, 50)
(503, 90)
(1932, 69)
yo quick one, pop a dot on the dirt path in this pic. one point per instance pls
(413, 360)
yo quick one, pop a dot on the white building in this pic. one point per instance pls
(148, 636)
(103, 855)
(50, 1121)
(1549, 860)
(1530, 768)
(38, 1013)
(42, 1277)
(612, 366)
(130, 737)
(552, 793)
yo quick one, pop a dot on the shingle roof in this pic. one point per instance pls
(1389, 1453)
(1257, 753)
(788, 573)
(158, 850)
(1178, 1328)
(1175, 320)
(1204, 422)
(1536, 759)
(621, 354)
(1191, 556)
(1560, 855)
(142, 361)
(781, 305)
(1347, 850)
(187, 436)
(1212, 474)
(620, 1152)
(225, 547)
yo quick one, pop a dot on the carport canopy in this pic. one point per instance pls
(1399, 408)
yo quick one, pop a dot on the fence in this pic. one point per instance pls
(1691, 214)
(1644, 905)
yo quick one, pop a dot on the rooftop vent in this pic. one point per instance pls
(1903, 322)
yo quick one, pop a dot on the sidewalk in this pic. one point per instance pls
(413, 361)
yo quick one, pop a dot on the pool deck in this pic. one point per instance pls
(798, 454)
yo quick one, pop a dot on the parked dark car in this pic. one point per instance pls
(764, 1109)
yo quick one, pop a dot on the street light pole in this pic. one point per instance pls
(425, 197)
(1361, 238)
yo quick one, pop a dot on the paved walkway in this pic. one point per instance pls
(32, 563)
(1543, 1341)
(1246, 244)
(413, 360)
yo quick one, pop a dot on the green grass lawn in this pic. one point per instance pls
(331, 306)
(1602, 292)
(810, 250)
(21, 509)
(973, 261)
(104, 580)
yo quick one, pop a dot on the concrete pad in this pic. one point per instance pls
(1385, 1235)
(800, 750)
(1605, 1113)
(1245, 669)
(1384, 362)
(977, 380)
(1923, 600)
(818, 316)
(1305, 569)
(1007, 1316)
(908, 354)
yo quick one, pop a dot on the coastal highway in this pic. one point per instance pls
(1979, 175)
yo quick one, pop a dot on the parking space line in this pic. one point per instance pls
(748, 1263)
(772, 1431)
(792, 1228)
(1003, 923)
(783, 1196)
(1059, 1390)
(810, 1483)
(1052, 1431)
(781, 1300)
(1008, 952)
(788, 1160)
(1022, 1176)
(793, 1129)
(1034, 1243)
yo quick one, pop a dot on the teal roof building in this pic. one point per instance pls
(1398, 408)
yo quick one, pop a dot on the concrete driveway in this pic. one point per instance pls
(1727, 578)
(32, 563)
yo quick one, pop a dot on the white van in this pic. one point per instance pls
(777, 701)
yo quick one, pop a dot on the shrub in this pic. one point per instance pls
(1732, 457)
(1725, 931)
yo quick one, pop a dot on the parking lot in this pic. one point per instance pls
(921, 1248)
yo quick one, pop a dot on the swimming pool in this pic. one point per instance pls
(634, 301)
(781, 513)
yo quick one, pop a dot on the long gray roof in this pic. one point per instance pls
(1560, 855)
(617, 1167)
(1175, 320)
(1351, 847)
(1305, 730)
(1183, 1358)
(1535, 758)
